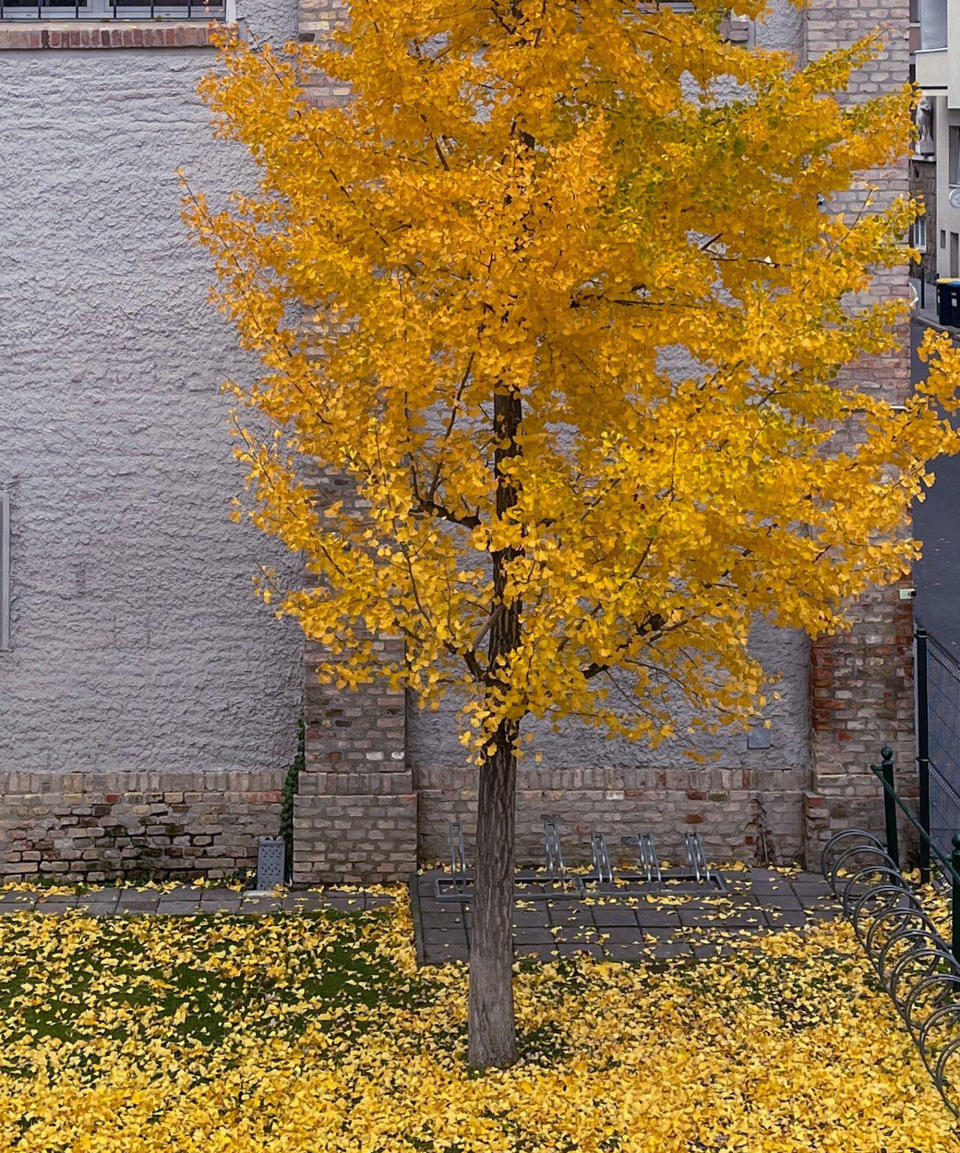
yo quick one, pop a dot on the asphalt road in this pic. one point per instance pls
(936, 522)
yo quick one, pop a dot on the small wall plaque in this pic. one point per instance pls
(758, 738)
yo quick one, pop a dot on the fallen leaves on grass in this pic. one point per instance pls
(316, 1033)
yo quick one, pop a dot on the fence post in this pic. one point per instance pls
(923, 752)
(890, 805)
(955, 901)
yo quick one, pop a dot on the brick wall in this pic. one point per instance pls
(862, 680)
(101, 825)
(740, 813)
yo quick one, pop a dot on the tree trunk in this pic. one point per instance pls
(493, 1037)
(493, 1040)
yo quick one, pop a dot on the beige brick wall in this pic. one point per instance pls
(101, 825)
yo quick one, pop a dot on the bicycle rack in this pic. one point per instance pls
(552, 883)
(906, 951)
(652, 879)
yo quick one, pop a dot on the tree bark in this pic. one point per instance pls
(493, 1039)
(492, 1030)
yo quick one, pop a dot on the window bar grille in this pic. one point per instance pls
(4, 570)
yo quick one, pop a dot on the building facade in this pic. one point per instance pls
(148, 702)
(936, 164)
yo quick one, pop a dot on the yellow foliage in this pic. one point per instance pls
(609, 219)
(293, 1034)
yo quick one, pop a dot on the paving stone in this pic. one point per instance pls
(574, 931)
(740, 919)
(257, 905)
(809, 882)
(713, 949)
(67, 899)
(619, 934)
(180, 909)
(182, 893)
(614, 915)
(137, 905)
(344, 904)
(441, 920)
(539, 916)
(818, 901)
(567, 917)
(441, 954)
(783, 902)
(11, 902)
(667, 950)
(822, 914)
(532, 935)
(97, 904)
(658, 918)
(303, 903)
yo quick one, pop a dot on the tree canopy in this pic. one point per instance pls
(549, 201)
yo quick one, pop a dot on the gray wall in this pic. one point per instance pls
(139, 644)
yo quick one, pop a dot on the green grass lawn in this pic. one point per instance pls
(313, 1033)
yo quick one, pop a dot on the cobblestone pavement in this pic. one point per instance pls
(632, 928)
(184, 901)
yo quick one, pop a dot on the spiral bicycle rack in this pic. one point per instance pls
(912, 961)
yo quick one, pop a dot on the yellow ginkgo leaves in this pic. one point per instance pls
(317, 1034)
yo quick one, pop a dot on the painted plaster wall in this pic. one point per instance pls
(138, 642)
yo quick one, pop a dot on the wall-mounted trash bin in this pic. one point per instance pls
(948, 301)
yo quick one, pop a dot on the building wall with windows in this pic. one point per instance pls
(148, 702)
(937, 71)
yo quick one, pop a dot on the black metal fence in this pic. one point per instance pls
(112, 10)
(938, 743)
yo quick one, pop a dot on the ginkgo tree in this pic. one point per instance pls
(470, 282)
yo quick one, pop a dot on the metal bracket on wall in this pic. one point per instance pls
(4, 570)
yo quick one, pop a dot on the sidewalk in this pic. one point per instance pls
(653, 927)
(185, 901)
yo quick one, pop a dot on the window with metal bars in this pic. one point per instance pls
(112, 10)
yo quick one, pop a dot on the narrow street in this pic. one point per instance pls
(937, 524)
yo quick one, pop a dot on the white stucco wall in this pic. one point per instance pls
(138, 641)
